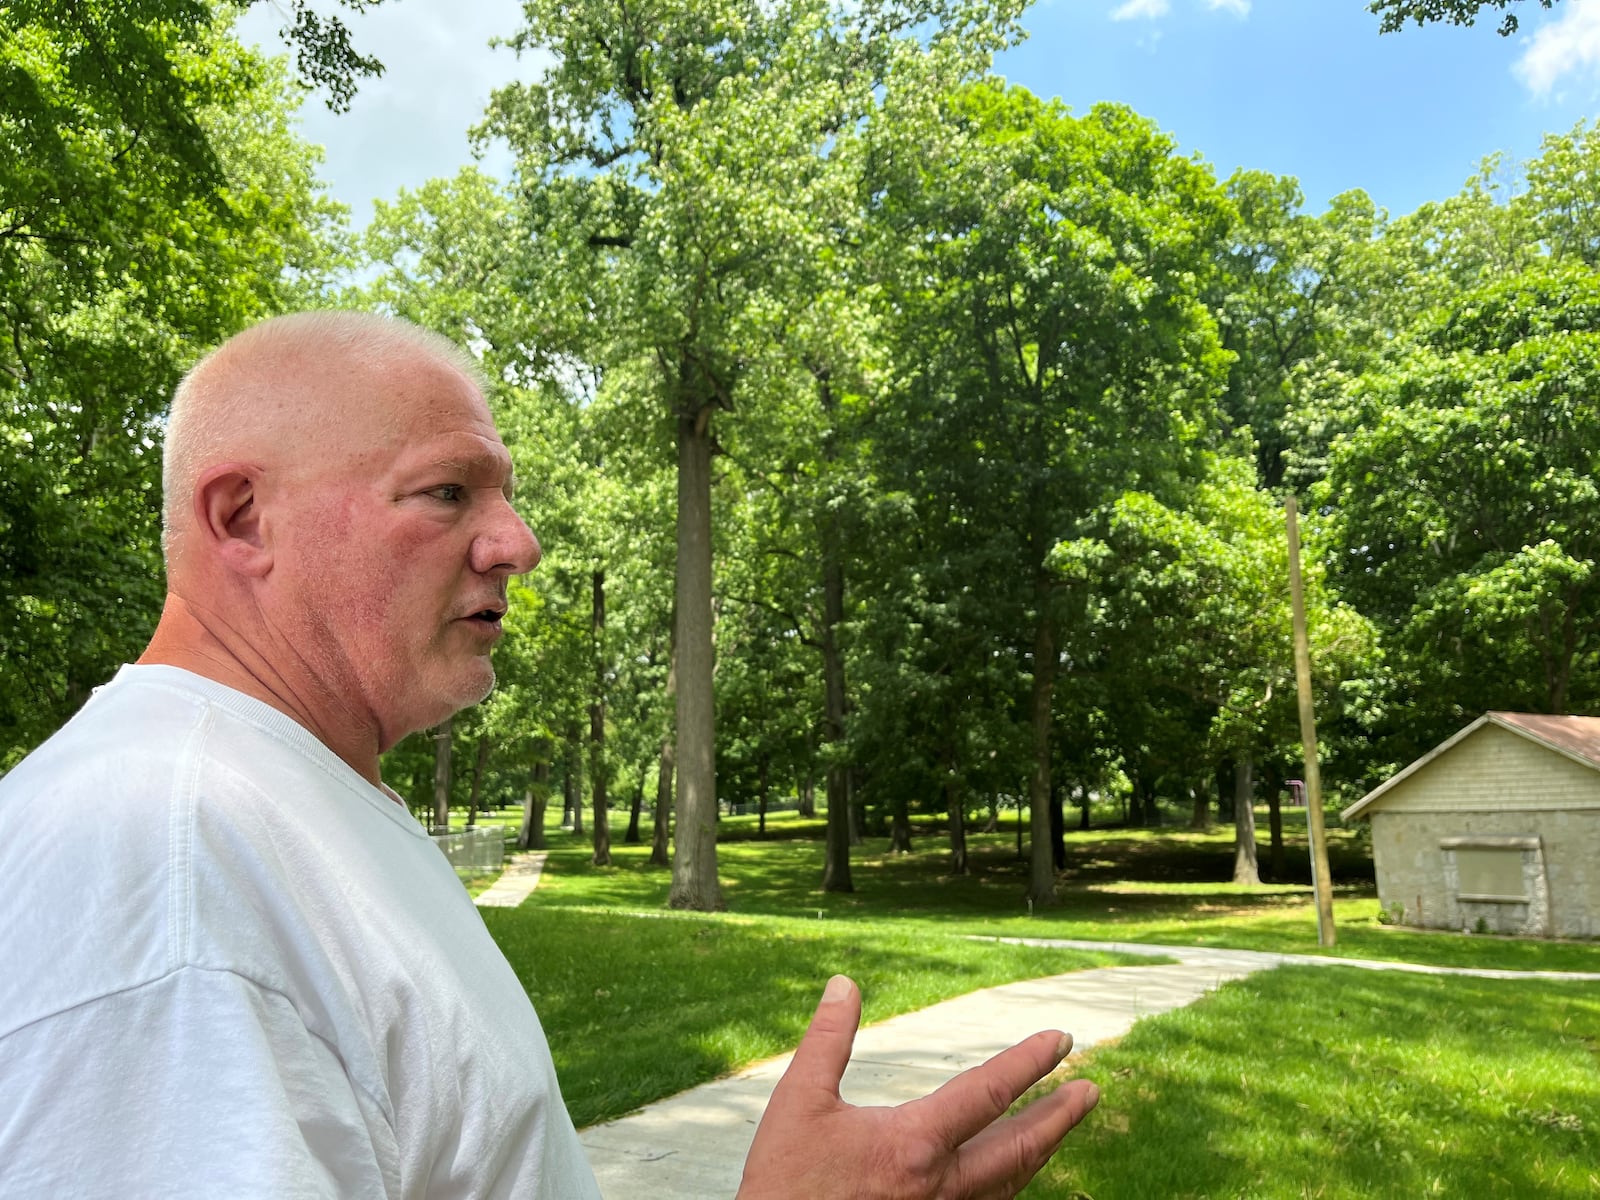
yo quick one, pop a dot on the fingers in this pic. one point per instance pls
(824, 1052)
(1001, 1159)
(970, 1102)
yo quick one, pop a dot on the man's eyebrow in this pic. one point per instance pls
(465, 465)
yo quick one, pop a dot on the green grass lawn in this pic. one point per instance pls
(1298, 1082)
(639, 1008)
(1128, 885)
(1328, 1082)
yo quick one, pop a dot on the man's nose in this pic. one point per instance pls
(509, 547)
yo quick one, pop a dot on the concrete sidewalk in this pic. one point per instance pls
(692, 1146)
(518, 878)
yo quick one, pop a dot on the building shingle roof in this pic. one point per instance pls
(1578, 736)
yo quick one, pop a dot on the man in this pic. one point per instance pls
(234, 964)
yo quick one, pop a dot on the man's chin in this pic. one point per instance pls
(448, 702)
(477, 691)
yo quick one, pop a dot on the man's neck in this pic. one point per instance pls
(198, 640)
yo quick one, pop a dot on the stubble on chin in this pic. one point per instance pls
(464, 695)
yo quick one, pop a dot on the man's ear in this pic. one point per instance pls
(228, 518)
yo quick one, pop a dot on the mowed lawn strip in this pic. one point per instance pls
(1162, 886)
(1338, 1082)
(637, 1008)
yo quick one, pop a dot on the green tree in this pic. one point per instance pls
(1395, 13)
(1297, 298)
(153, 199)
(1055, 354)
(1466, 510)
(672, 161)
(1198, 609)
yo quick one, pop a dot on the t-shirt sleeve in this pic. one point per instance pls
(199, 1084)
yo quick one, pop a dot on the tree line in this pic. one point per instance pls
(894, 435)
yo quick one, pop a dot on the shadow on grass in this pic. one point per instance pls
(1137, 885)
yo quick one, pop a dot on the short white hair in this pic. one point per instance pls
(208, 399)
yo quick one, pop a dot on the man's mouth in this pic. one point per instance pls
(487, 617)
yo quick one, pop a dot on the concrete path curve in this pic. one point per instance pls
(518, 878)
(1259, 960)
(692, 1146)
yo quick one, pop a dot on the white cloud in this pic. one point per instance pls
(1150, 10)
(1135, 10)
(411, 124)
(1570, 44)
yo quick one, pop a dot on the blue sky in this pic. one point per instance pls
(1297, 87)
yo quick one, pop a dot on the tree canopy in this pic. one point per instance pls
(900, 442)
(153, 199)
(1395, 13)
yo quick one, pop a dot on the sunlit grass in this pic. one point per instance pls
(1166, 886)
(1328, 1082)
(638, 1008)
(1297, 1082)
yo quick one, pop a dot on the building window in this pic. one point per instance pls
(1494, 869)
(1491, 874)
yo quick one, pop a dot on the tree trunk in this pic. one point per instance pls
(441, 775)
(572, 785)
(661, 817)
(1058, 830)
(1041, 872)
(1275, 826)
(534, 802)
(1245, 869)
(1083, 805)
(955, 813)
(479, 762)
(597, 725)
(842, 833)
(857, 836)
(761, 799)
(694, 865)
(635, 811)
(992, 825)
(1200, 794)
(1149, 814)
(661, 814)
(899, 825)
(808, 796)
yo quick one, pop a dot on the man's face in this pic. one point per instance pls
(400, 544)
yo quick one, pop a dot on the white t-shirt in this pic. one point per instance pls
(229, 966)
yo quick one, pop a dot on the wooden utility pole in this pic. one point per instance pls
(1320, 879)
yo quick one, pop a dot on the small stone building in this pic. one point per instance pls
(1497, 829)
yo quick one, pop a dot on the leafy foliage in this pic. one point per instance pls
(1395, 13)
(152, 200)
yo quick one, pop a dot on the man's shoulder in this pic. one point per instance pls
(149, 736)
(123, 745)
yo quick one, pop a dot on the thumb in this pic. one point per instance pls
(824, 1052)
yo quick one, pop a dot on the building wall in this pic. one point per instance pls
(1494, 770)
(1494, 784)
